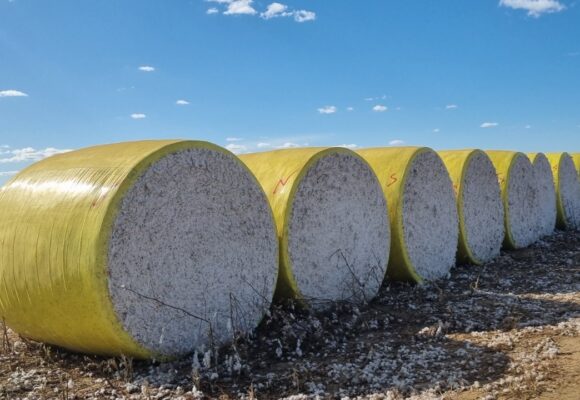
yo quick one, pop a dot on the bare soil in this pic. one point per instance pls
(507, 330)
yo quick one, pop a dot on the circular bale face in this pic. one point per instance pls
(546, 214)
(481, 209)
(192, 256)
(521, 203)
(568, 192)
(429, 216)
(336, 230)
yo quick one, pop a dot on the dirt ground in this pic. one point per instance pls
(507, 330)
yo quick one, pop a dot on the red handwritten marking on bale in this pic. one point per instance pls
(283, 182)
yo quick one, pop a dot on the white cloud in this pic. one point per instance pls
(436, 130)
(535, 8)
(349, 146)
(327, 110)
(233, 139)
(275, 10)
(138, 116)
(212, 10)
(12, 93)
(263, 145)
(451, 106)
(236, 148)
(489, 125)
(28, 154)
(350, 109)
(380, 108)
(236, 7)
(182, 102)
(528, 126)
(146, 68)
(304, 16)
(8, 173)
(396, 142)
(288, 145)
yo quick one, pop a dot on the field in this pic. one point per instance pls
(507, 330)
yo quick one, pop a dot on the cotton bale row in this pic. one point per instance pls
(422, 211)
(546, 212)
(479, 204)
(567, 190)
(332, 222)
(519, 195)
(148, 249)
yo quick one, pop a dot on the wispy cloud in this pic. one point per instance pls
(348, 146)
(263, 145)
(288, 145)
(451, 106)
(146, 68)
(273, 10)
(138, 116)
(9, 155)
(234, 139)
(535, 8)
(350, 109)
(12, 93)
(8, 173)
(528, 127)
(182, 102)
(489, 125)
(436, 130)
(327, 110)
(396, 142)
(380, 108)
(237, 148)
(234, 7)
(304, 16)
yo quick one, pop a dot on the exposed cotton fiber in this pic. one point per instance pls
(148, 249)
(546, 213)
(567, 190)
(520, 197)
(332, 221)
(479, 205)
(422, 210)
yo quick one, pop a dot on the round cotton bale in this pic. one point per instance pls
(546, 213)
(519, 196)
(332, 222)
(481, 226)
(567, 190)
(147, 249)
(422, 210)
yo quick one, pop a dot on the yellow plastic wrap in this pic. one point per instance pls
(562, 220)
(503, 161)
(456, 162)
(280, 173)
(56, 218)
(391, 167)
(576, 158)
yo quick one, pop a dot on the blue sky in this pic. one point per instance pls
(257, 75)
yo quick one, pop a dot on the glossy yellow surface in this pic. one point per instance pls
(390, 165)
(562, 220)
(280, 172)
(503, 161)
(576, 158)
(56, 217)
(456, 162)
